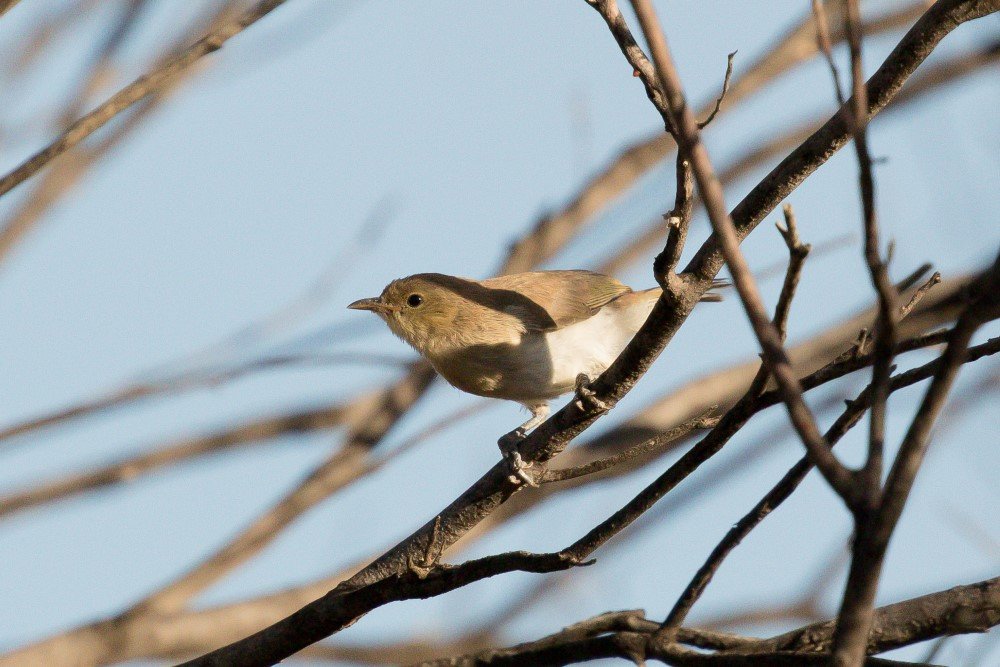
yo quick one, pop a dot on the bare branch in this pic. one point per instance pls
(711, 192)
(797, 46)
(797, 253)
(826, 47)
(725, 89)
(922, 83)
(650, 447)
(678, 221)
(960, 610)
(491, 491)
(139, 89)
(935, 279)
(874, 528)
(791, 480)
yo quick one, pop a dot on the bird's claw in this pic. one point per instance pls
(520, 471)
(586, 399)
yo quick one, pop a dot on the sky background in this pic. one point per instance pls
(455, 126)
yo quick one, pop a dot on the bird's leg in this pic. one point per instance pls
(509, 442)
(586, 399)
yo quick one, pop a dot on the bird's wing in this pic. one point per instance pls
(564, 297)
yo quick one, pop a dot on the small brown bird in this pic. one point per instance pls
(525, 337)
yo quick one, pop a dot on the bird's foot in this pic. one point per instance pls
(521, 472)
(586, 399)
(508, 442)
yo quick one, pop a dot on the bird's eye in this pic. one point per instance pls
(414, 300)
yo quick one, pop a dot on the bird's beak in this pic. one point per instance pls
(376, 305)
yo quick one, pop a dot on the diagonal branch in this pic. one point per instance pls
(794, 48)
(885, 329)
(139, 89)
(874, 528)
(791, 480)
(775, 357)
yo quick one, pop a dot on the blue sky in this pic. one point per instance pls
(460, 124)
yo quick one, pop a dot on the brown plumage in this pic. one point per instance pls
(526, 337)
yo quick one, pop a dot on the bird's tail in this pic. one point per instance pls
(718, 283)
(649, 296)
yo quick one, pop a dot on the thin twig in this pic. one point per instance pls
(651, 446)
(725, 89)
(487, 494)
(928, 79)
(678, 221)
(797, 253)
(826, 48)
(919, 295)
(792, 49)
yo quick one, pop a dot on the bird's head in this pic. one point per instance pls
(425, 310)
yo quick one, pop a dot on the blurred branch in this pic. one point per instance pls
(826, 48)
(214, 372)
(200, 378)
(143, 625)
(355, 248)
(194, 631)
(960, 610)
(146, 85)
(7, 5)
(187, 450)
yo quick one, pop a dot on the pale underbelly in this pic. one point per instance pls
(541, 366)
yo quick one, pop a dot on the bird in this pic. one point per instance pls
(524, 337)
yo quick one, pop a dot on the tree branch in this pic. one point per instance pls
(874, 528)
(775, 356)
(960, 610)
(791, 480)
(142, 87)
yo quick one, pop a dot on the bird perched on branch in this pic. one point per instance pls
(525, 337)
